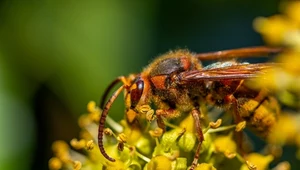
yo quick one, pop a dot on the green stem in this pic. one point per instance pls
(171, 125)
(222, 128)
(146, 159)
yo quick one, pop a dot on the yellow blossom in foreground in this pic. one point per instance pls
(280, 29)
(173, 150)
(205, 166)
(225, 145)
(283, 30)
(159, 163)
(258, 161)
(273, 28)
(285, 131)
(283, 166)
(292, 10)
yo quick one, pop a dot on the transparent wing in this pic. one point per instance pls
(234, 72)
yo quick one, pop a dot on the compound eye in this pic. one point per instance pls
(136, 92)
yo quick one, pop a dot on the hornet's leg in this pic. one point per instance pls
(237, 119)
(196, 115)
(168, 113)
(164, 111)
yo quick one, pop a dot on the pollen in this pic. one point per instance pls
(216, 124)
(91, 106)
(90, 145)
(77, 165)
(257, 161)
(122, 138)
(157, 132)
(240, 126)
(78, 144)
(55, 164)
(108, 131)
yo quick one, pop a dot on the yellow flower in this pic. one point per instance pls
(225, 145)
(205, 166)
(285, 130)
(290, 61)
(258, 161)
(67, 158)
(159, 163)
(273, 29)
(283, 30)
(293, 11)
(188, 124)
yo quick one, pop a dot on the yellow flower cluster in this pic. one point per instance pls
(155, 150)
(283, 30)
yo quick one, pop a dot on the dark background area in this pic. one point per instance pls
(57, 56)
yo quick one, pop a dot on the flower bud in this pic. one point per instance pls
(169, 138)
(187, 141)
(181, 164)
(159, 163)
(205, 166)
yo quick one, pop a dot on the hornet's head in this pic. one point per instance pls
(136, 95)
(137, 89)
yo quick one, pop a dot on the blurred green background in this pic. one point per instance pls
(55, 56)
